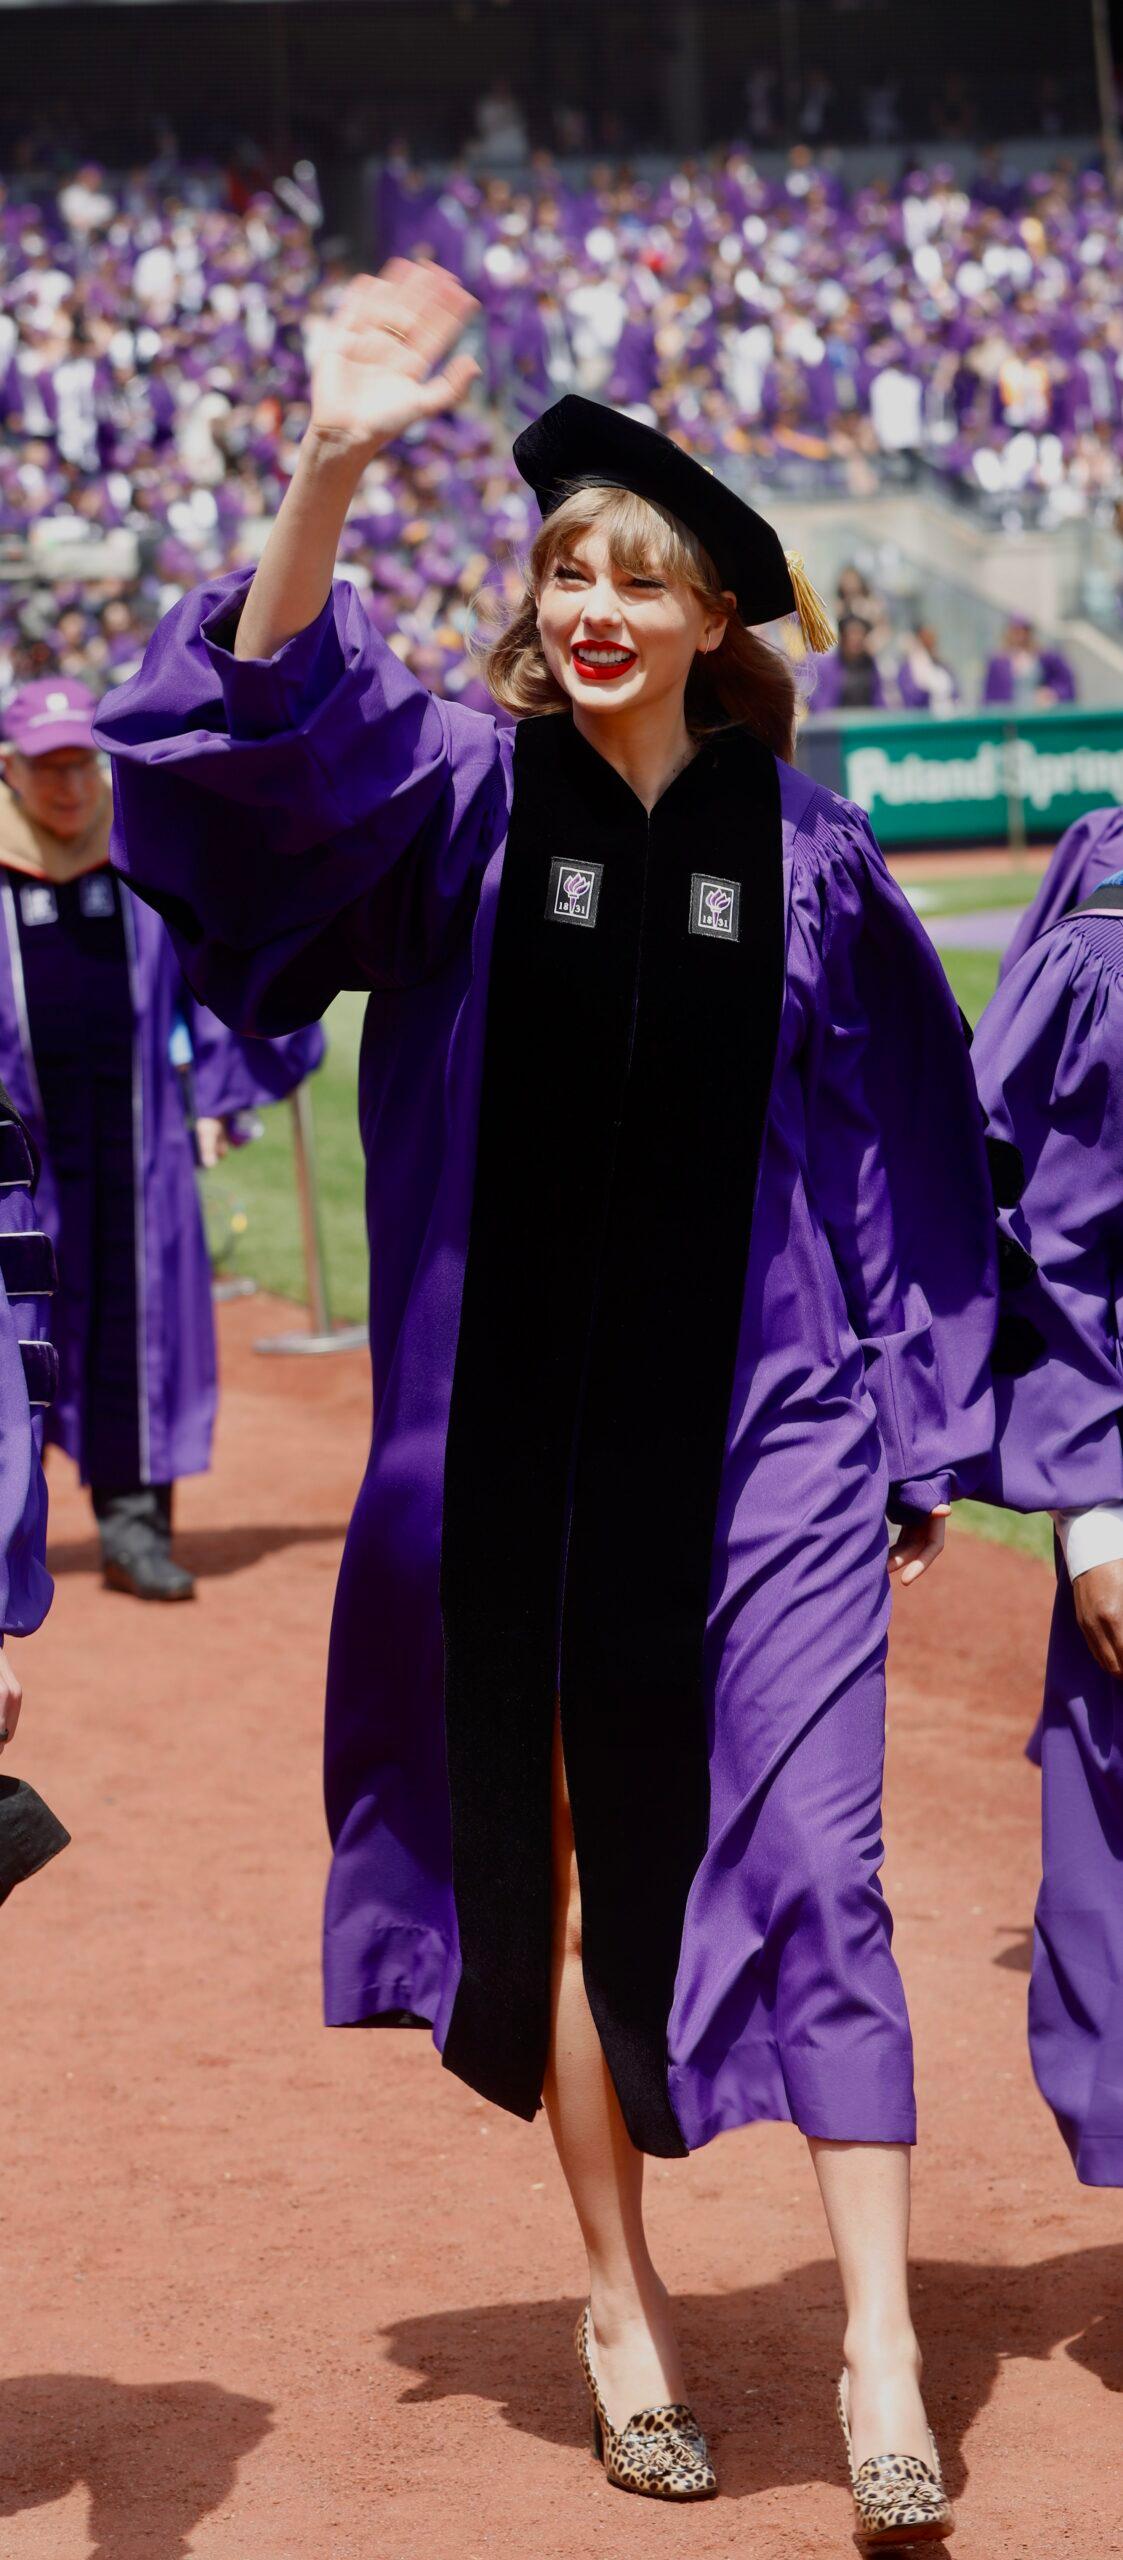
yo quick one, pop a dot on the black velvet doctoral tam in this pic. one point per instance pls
(581, 441)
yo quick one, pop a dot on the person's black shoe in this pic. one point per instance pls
(136, 1527)
(150, 1574)
(29, 1834)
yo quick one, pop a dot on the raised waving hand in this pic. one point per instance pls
(387, 358)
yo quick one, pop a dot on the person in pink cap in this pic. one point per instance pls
(90, 991)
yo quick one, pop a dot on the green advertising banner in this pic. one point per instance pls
(987, 778)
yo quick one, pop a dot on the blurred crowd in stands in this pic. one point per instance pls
(886, 663)
(155, 339)
(812, 337)
(154, 350)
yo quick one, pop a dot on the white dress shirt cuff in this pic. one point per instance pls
(1090, 1537)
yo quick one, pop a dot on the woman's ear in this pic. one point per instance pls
(718, 625)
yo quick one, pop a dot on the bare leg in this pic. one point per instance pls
(865, 2189)
(636, 2357)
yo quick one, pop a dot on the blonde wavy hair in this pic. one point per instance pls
(744, 679)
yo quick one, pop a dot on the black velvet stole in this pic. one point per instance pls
(629, 1051)
(1107, 900)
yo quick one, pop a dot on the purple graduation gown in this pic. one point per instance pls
(1088, 852)
(28, 1373)
(1049, 1060)
(827, 694)
(176, 1366)
(681, 1269)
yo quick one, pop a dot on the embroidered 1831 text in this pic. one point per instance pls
(715, 907)
(574, 892)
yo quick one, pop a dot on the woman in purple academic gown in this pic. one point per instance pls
(682, 1229)
(90, 989)
(1049, 1061)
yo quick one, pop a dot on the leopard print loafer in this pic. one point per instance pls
(897, 2498)
(661, 2453)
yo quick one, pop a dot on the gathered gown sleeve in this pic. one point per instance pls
(303, 823)
(1048, 1056)
(898, 1167)
(233, 1072)
(1088, 853)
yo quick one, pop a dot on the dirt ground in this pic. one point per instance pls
(274, 2294)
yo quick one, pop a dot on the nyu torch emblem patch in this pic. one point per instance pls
(38, 905)
(95, 895)
(574, 892)
(715, 907)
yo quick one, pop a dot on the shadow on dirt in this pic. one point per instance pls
(155, 2458)
(761, 2360)
(1017, 1957)
(210, 1553)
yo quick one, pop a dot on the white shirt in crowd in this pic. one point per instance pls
(896, 409)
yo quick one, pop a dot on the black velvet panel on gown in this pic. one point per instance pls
(633, 1014)
(81, 1026)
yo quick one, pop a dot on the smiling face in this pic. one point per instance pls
(618, 627)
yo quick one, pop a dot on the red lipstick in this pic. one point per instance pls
(604, 673)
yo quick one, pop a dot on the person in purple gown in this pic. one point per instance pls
(922, 679)
(30, 1833)
(850, 678)
(1088, 853)
(90, 991)
(682, 1273)
(1049, 1061)
(1027, 675)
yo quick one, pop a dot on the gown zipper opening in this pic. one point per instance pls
(582, 1386)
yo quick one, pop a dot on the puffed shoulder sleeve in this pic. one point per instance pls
(898, 1163)
(1088, 852)
(1049, 1060)
(303, 823)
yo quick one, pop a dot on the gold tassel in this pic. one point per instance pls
(814, 621)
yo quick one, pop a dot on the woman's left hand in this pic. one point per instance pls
(212, 1141)
(919, 1544)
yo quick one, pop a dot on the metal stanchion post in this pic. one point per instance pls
(231, 1284)
(1015, 805)
(321, 1334)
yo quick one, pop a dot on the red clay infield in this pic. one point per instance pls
(281, 2295)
